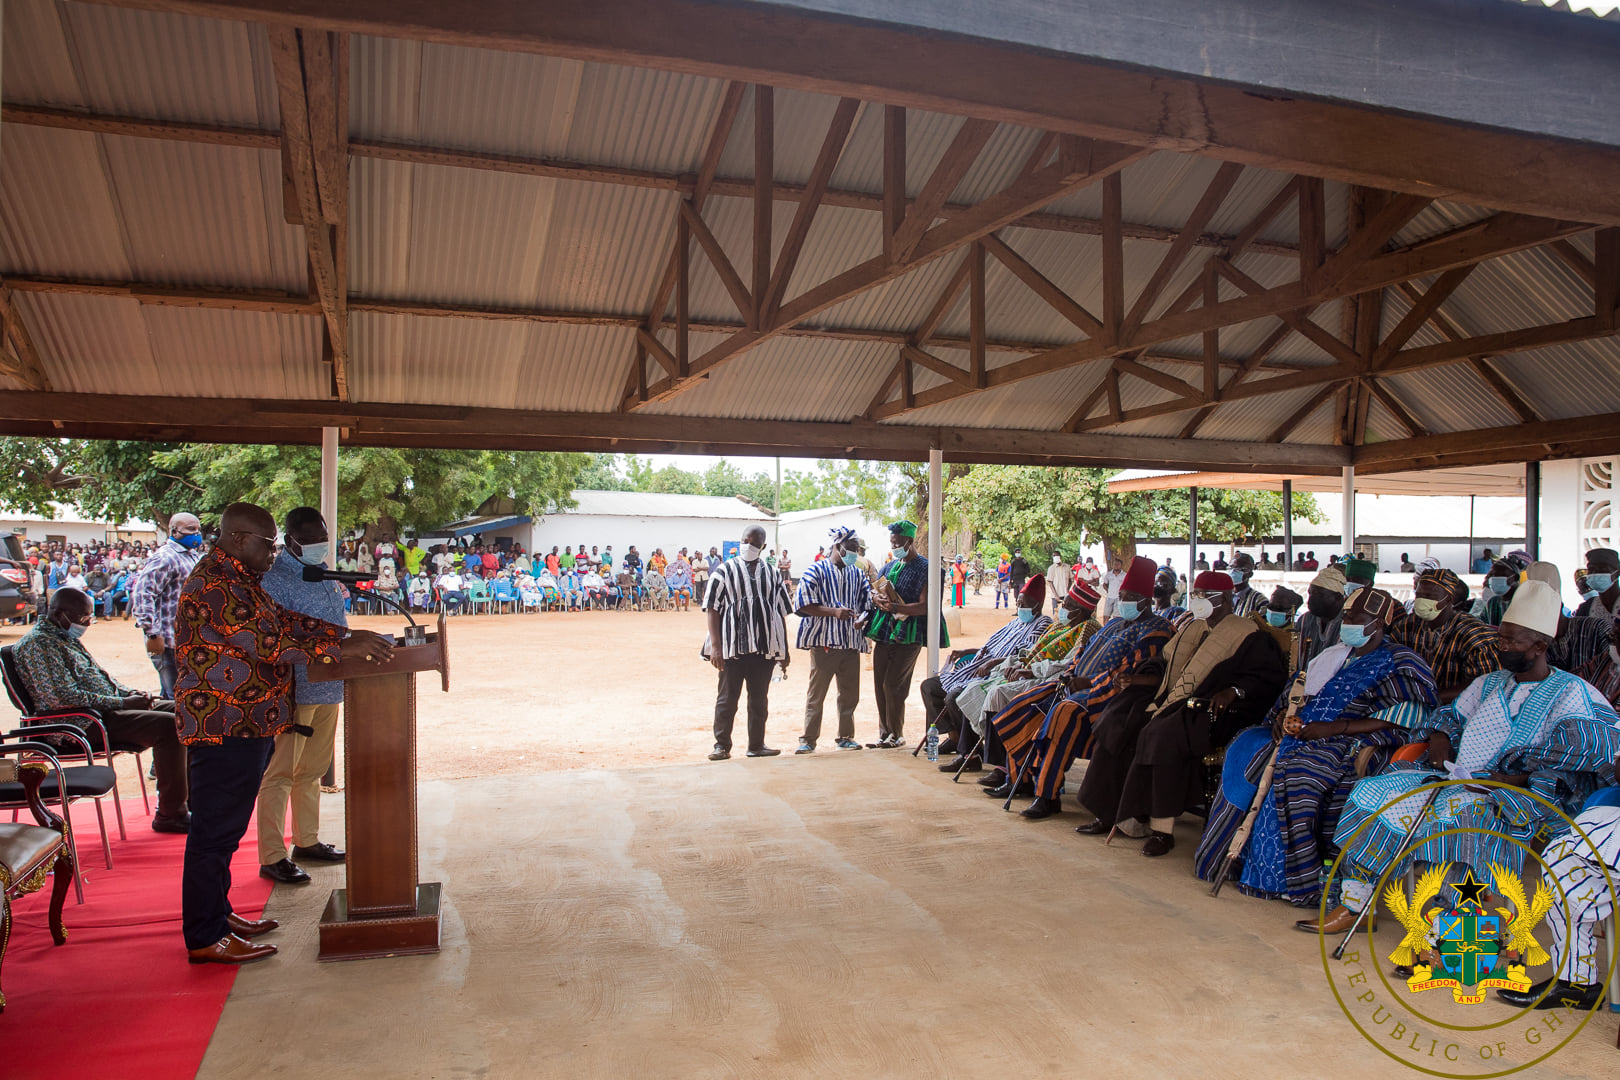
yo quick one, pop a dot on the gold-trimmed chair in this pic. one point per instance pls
(29, 852)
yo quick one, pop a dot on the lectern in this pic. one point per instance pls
(384, 911)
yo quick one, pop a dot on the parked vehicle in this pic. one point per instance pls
(17, 600)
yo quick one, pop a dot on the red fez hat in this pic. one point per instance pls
(1213, 581)
(1139, 576)
(1035, 587)
(1084, 593)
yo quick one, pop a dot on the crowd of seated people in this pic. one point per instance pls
(1282, 735)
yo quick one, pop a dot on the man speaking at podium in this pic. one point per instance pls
(235, 648)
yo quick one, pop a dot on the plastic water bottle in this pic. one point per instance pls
(1326, 884)
(933, 743)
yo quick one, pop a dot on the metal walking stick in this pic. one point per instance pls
(1438, 783)
(956, 777)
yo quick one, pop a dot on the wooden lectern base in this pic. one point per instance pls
(346, 937)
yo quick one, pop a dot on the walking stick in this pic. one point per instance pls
(1434, 793)
(1019, 779)
(1240, 838)
(956, 778)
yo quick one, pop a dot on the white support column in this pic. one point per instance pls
(936, 460)
(329, 484)
(1348, 513)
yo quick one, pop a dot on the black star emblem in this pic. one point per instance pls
(1469, 890)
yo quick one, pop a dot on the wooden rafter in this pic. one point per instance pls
(1299, 415)
(936, 192)
(1482, 367)
(1042, 286)
(1214, 195)
(1424, 306)
(1249, 365)
(733, 282)
(764, 181)
(832, 147)
(20, 355)
(307, 88)
(1400, 412)
(1499, 235)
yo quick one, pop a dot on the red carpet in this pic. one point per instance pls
(118, 1001)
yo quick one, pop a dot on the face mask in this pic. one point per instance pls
(1323, 608)
(1588, 595)
(1277, 618)
(851, 559)
(315, 554)
(1599, 583)
(1499, 585)
(1128, 609)
(1516, 663)
(897, 554)
(1237, 576)
(1026, 614)
(76, 630)
(1426, 609)
(750, 553)
(1353, 635)
(1202, 607)
(1352, 586)
(190, 541)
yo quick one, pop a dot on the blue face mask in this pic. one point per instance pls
(1352, 586)
(1598, 583)
(189, 541)
(1353, 635)
(1277, 618)
(77, 630)
(1500, 585)
(315, 554)
(1128, 609)
(1026, 614)
(851, 559)
(1237, 576)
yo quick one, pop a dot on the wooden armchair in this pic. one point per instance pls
(29, 852)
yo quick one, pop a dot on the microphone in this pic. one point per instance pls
(350, 577)
(346, 577)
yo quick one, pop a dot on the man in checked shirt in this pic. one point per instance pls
(156, 595)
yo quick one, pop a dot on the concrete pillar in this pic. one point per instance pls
(329, 484)
(1348, 526)
(936, 460)
(1192, 535)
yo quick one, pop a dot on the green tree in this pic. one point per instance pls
(600, 472)
(116, 480)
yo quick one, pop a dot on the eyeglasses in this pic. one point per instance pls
(270, 540)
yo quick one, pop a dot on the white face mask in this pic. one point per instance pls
(750, 553)
(1426, 609)
(1201, 607)
(314, 554)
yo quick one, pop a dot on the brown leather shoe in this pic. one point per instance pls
(230, 949)
(250, 928)
(1339, 920)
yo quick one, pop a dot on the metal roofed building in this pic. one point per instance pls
(1087, 232)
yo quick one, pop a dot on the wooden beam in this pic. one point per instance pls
(936, 192)
(293, 81)
(924, 358)
(1299, 323)
(1606, 275)
(1212, 339)
(27, 368)
(1113, 258)
(1081, 414)
(1491, 377)
(885, 388)
(1215, 194)
(1299, 415)
(717, 258)
(1042, 286)
(1249, 365)
(894, 199)
(1518, 442)
(683, 297)
(1571, 256)
(764, 181)
(135, 127)
(330, 156)
(655, 348)
(1115, 409)
(1125, 365)
(1501, 234)
(1423, 307)
(1312, 226)
(832, 148)
(1402, 415)
(1369, 240)
(976, 313)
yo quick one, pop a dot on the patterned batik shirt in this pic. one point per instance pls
(235, 648)
(157, 589)
(910, 581)
(61, 674)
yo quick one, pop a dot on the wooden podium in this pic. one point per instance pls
(384, 911)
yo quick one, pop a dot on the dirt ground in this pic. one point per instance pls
(585, 690)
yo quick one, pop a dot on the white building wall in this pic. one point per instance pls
(647, 533)
(72, 532)
(802, 537)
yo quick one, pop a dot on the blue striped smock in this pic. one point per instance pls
(831, 585)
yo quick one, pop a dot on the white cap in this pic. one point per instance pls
(1330, 578)
(1535, 607)
(1546, 573)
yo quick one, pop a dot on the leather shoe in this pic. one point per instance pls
(1564, 994)
(1339, 920)
(286, 871)
(318, 852)
(1026, 788)
(947, 745)
(994, 778)
(973, 764)
(1094, 828)
(1159, 843)
(249, 928)
(719, 755)
(1041, 808)
(764, 751)
(230, 949)
(177, 823)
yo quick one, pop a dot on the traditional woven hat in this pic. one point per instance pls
(1213, 581)
(1535, 607)
(1330, 578)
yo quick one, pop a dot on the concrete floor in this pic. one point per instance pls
(842, 915)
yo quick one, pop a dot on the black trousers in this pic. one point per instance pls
(1113, 750)
(224, 789)
(152, 729)
(754, 672)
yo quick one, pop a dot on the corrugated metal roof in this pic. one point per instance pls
(118, 208)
